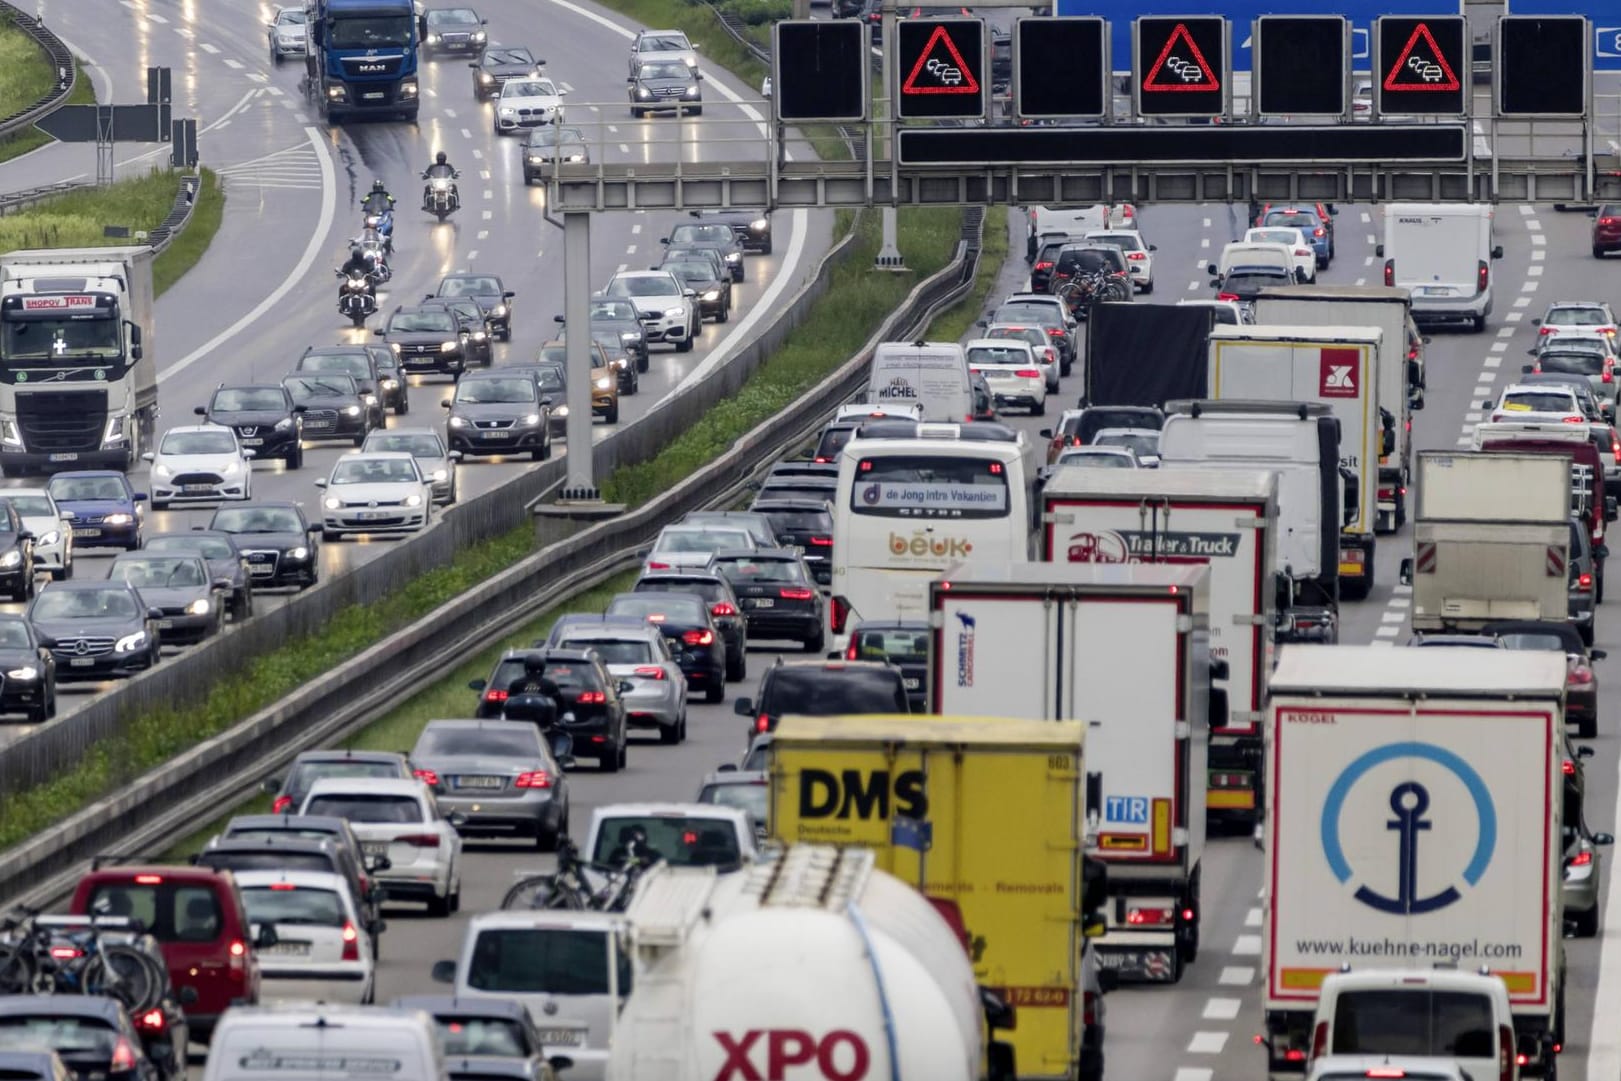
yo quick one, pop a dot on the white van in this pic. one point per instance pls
(1460, 1017)
(933, 375)
(1441, 253)
(1254, 254)
(565, 966)
(306, 1042)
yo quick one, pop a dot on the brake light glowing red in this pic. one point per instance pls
(280, 804)
(533, 779)
(1575, 420)
(796, 593)
(1483, 276)
(1581, 675)
(1319, 231)
(1056, 332)
(821, 542)
(1582, 859)
(650, 671)
(64, 953)
(1547, 330)
(351, 943)
(1584, 581)
(722, 609)
(1137, 256)
(148, 880)
(426, 776)
(419, 840)
(1226, 296)
(762, 723)
(1294, 1054)
(1027, 373)
(1139, 917)
(655, 565)
(1386, 1071)
(840, 614)
(283, 886)
(698, 638)
(151, 1020)
(592, 698)
(1390, 272)
(123, 1059)
(495, 694)
(1568, 767)
(1044, 265)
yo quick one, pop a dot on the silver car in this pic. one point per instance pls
(436, 460)
(748, 791)
(693, 546)
(53, 540)
(640, 657)
(1583, 871)
(499, 776)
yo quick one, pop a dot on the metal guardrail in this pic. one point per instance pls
(60, 57)
(160, 807)
(185, 204)
(17, 200)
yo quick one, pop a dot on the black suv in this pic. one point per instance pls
(428, 341)
(727, 614)
(806, 524)
(276, 539)
(686, 623)
(904, 644)
(479, 340)
(717, 235)
(267, 420)
(393, 389)
(779, 596)
(753, 227)
(591, 711)
(823, 689)
(353, 360)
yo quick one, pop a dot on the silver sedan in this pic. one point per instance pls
(498, 776)
(653, 687)
(436, 460)
(1583, 871)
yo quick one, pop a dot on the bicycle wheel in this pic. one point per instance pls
(523, 891)
(1069, 293)
(17, 974)
(1117, 291)
(125, 973)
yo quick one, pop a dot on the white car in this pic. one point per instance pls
(1544, 403)
(374, 493)
(692, 546)
(1046, 353)
(668, 309)
(289, 34)
(1227, 312)
(1586, 318)
(1139, 254)
(1376, 1067)
(398, 819)
(637, 653)
(53, 539)
(1142, 442)
(528, 103)
(1099, 457)
(434, 458)
(1010, 370)
(200, 463)
(1296, 241)
(323, 948)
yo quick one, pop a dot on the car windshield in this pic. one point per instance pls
(421, 446)
(289, 17)
(221, 442)
(469, 285)
(1298, 219)
(422, 321)
(998, 355)
(452, 17)
(750, 797)
(1143, 444)
(663, 43)
(370, 32)
(746, 571)
(701, 540)
(31, 506)
(1572, 363)
(285, 903)
(378, 807)
(550, 378)
(276, 859)
(829, 692)
(14, 634)
(305, 387)
(1254, 278)
(265, 399)
(84, 604)
(493, 391)
(1123, 241)
(66, 1034)
(897, 644)
(1094, 460)
(643, 285)
(1533, 641)
(800, 521)
(571, 677)
(617, 310)
(550, 136)
(375, 471)
(614, 650)
(495, 56)
(665, 69)
(702, 234)
(515, 741)
(1032, 336)
(682, 841)
(499, 1037)
(659, 608)
(550, 960)
(528, 88)
(1575, 317)
(1039, 314)
(70, 489)
(1526, 401)
(692, 273)
(159, 573)
(257, 520)
(1072, 262)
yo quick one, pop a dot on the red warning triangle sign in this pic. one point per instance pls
(946, 73)
(1422, 68)
(1181, 69)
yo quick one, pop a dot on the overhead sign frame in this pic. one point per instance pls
(816, 49)
(942, 69)
(1422, 65)
(1068, 39)
(1174, 59)
(1270, 97)
(1518, 64)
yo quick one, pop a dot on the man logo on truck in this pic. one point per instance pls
(841, 1055)
(1413, 814)
(873, 795)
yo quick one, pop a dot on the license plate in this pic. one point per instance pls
(371, 515)
(81, 662)
(374, 95)
(261, 570)
(287, 949)
(374, 848)
(478, 782)
(66, 456)
(495, 435)
(253, 442)
(913, 683)
(562, 1037)
(762, 602)
(87, 532)
(165, 624)
(196, 487)
(1435, 290)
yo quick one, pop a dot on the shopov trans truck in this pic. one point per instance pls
(363, 58)
(1414, 821)
(1224, 519)
(78, 385)
(979, 812)
(1127, 650)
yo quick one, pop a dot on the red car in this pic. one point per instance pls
(1607, 230)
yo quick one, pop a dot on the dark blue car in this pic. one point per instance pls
(105, 510)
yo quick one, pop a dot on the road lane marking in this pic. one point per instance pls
(1236, 976)
(1252, 918)
(1247, 946)
(1207, 1043)
(1222, 1009)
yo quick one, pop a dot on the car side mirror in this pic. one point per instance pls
(379, 863)
(301, 409)
(445, 403)
(312, 530)
(473, 64)
(1602, 839)
(200, 411)
(476, 684)
(508, 295)
(1153, 247)
(1211, 267)
(1584, 751)
(1497, 252)
(456, 819)
(443, 972)
(379, 332)
(222, 583)
(743, 707)
(1214, 284)
(1379, 250)
(320, 482)
(139, 497)
(625, 686)
(249, 453)
(1592, 654)
(559, 1063)
(48, 643)
(265, 936)
(689, 292)
(1406, 573)
(565, 762)
(270, 785)
(154, 613)
(456, 455)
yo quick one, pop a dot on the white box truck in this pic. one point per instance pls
(1127, 650)
(1401, 375)
(1414, 821)
(78, 385)
(1225, 519)
(1442, 253)
(1339, 367)
(933, 375)
(1491, 540)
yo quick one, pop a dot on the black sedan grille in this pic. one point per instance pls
(419, 349)
(321, 420)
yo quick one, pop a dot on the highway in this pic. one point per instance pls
(265, 290)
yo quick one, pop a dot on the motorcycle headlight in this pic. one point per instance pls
(332, 502)
(50, 538)
(675, 313)
(603, 383)
(441, 184)
(448, 347)
(531, 420)
(351, 410)
(12, 558)
(119, 519)
(130, 643)
(457, 422)
(413, 501)
(284, 424)
(298, 553)
(24, 674)
(499, 311)
(198, 607)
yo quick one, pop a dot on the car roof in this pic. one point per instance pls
(375, 455)
(86, 584)
(287, 821)
(763, 555)
(784, 503)
(664, 595)
(1101, 432)
(1464, 641)
(293, 842)
(474, 724)
(348, 755)
(672, 808)
(311, 880)
(1563, 629)
(187, 428)
(102, 1006)
(128, 872)
(602, 620)
(89, 473)
(736, 777)
(388, 786)
(412, 431)
(830, 665)
(998, 343)
(466, 1006)
(553, 653)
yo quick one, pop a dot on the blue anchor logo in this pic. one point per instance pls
(1410, 806)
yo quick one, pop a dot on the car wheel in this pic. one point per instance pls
(360, 440)
(670, 734)
(439, 906)
(295, 458)
(1598, 252)
(624, 751)
(1586, 630)
(737, 671)
(609, 762)
(403, 407)
(41, 713)
(637, 114)
(684, 345)
(160, 504)
(715, 692)
(1587, 923)
(612, 415)
(817, 642)
(1148, 287)
(725, 314)
(1039, 409)
(547, 841)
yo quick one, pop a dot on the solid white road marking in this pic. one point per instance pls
(1252, 918)
(1192, 1073)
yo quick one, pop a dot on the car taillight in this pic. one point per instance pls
(1568, 767)
(495, 695)
(1226, 296)
(1056, 332)
(821, 542)
(1575, 420)
(1140, 917)
(426, 776)
(285, 803)
(1483, 275)
(1608, 221)
(592, 698)
(1319, 231)
(796, 593)
(1027, 373)
(1505, 1053)
(1547, 330)
(1043, 266)
(722, 609)
(1584, 581)
(650, 671)
(1137, 256)
(762, 723)
(64, 953)
(850, 651)
(149, 880)
(151, 1021)
(123, 1059)
(655, 565)
(538, 778)
(1581, 674)
(698, 638)
(351, 943)
(238, 952)
(1302, 251)
(419, 840)
(1385, 1071)
(840, 614)
(1319, 1040)
(1390, 272)
(1581, 859)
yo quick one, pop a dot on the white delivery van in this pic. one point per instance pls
(1442, 253)
(933, 375)
(1240, 253)
(1461, 1017)
(301, 1041)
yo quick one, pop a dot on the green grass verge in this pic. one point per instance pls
(21, 142)
(953, 324)
(182, 254)
(77, 219)
(25, 70)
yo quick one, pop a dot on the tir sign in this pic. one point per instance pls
(1180, 66)
(1418, 61)
(941, 65)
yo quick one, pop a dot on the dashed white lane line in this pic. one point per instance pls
(1207, 1043)
(1207, 223)
(483, 233)
(1198, 264)
(1498, 347)
(1401, 602)
(636, 230)
(1535, 270)
(624, 148)
(1533, 225)
(631, 250)
(1252, 918)
(450, 113)
(1538, 239)
(472, 255)
(1204, 242)
(478, 154)
(613, 129)
(1505, 332)
(185, 31)
(1538, 254)
(1236, 976)
(1382, 643)
(466, 134)
(488, 214)
(209, 49)
(1367, 260)
(1493, 362)
(1247, 946)
(1362, 281)
(1466, 441)
(1473, 418)
(1193, 287)
(1222, 1009)
(1192, 1073)
(233, 64)
(1522, 302)
(1392, 617)
(1512, 317)
(621, 269)
(1366, 217)
(489, 194)
(1526, 209)
(1372, 239)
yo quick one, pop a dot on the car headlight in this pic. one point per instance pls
(130, 643)
(734, 257)
(298, 553)
(692, 91)
(433, 39)
(759, 225)
(284, 424)
(161, 470)
(560, 411)
(479, 335)
(457, 422)
(439, 474)
(486, 78)
(629, 336)
(12, 558)
(50, 538)
(499, 311)
(332, 502)
(369, 399)
(336, 92)
(621, 363)
(643, 92)
(351, 410)
(198, 607)
(113, 434)
(531, 420)
(25, 674)
(119, 519)
(449, 347)
(675, 313)
(408, 88)
(236, 465)
(395, 346)
(602, 383)
(712, 295)
(536, 159)
(413, 501)
(478, 35)
(579, 158)
(507, 110)
(692, 63)
(391, 384)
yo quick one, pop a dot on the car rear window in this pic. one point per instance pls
(170, 912)
(760, 571)
(305, 774)
(366, 807)
(749, 797)
(285, 903)
(709, 590)
(557, 961)
(1094, 421)
(506, 741)
(659, 609)
(828, 692)
(898, 645)
(818, 522)
(614, 650)
(265, 861)
(67, 1035)
(571, 677)
(1572, 363)
(1532, 402)
(1456, 1024)
(679, 840)
(1576, 317)
(499, 1036)
(1081, 261)
(833, 440)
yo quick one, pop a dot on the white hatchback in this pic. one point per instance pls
(1296, 241)
(322, 952)
(200, 463)
(1139, 254)
(398, 819)
(528, 103)
(1010, 370)
(53, 539)
(1046, 353)
(374, 493)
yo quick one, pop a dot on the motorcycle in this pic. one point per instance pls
(356, 300)
(375, 249)
(382, 223)
(441, 199)
(542, 711)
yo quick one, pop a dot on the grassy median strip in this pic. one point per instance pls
(31, 138)
(25, 70)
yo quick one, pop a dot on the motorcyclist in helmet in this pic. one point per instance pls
(379, 202)
(440, 169)
(357, 263)
(533, 696)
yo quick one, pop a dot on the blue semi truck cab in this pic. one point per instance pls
(363, 58)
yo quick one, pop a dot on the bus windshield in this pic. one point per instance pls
(918, 486)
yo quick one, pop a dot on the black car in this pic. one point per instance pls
(1041, 271)
(480, 342)
(493, 297)
(93, 1034)
(266, 418)
(392, 388)
(278, 542)
(618, 315)
(753, 227)
(724, 609)
(591, 711)
(226, 562)
(452, 30)
(428, 341)
(833, 439)
(620, 359)
(668, 85)
(716, 235)
(777, 486)
(799, 470)
(355, 360)
(550, 145)
(332, 406)
(686, 623)
(806, 524)
(498, 64)
(16, 553)
(497, 413)
(714, 295)
(1078, 260)
(551, 380)
(190, 603)
(1001, 60)
(30, 684)
(904, 644)
(288, 852)
(823, 689)
(779, 597)
(33, 1064)
(96, 629)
